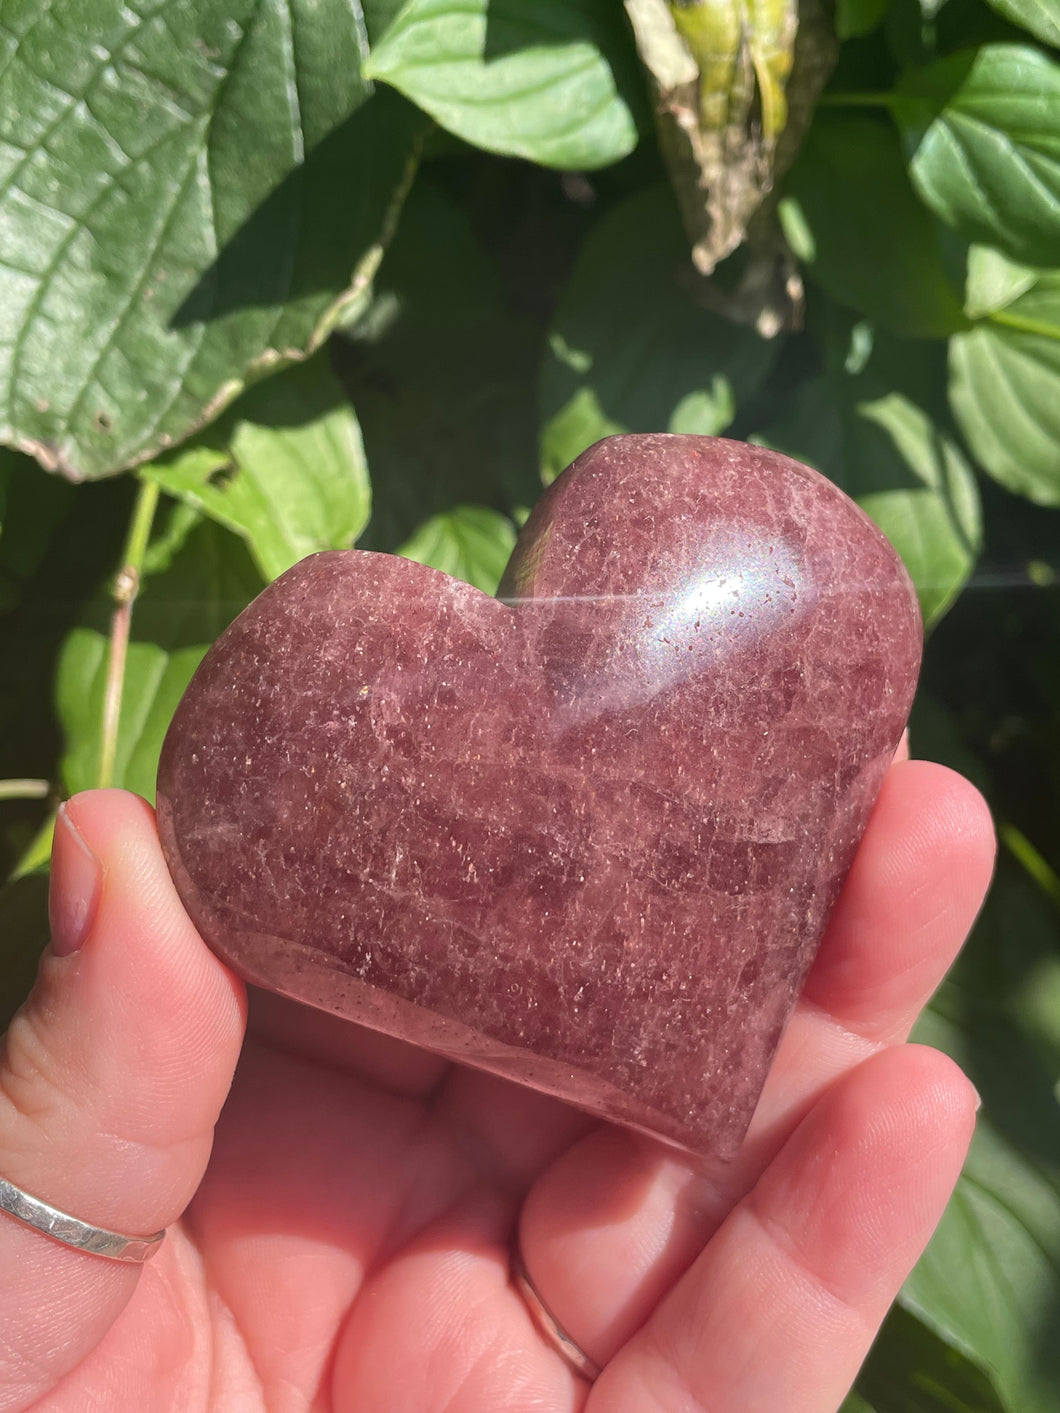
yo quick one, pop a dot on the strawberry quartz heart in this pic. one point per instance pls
(586, 835)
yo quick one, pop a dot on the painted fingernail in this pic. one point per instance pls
(76, 882)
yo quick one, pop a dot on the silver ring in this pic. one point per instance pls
(60, 1226)
(547, 1324)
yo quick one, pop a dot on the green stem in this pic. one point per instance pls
(1025, 325)
(126, 587)
(856, 100)
(24, 789)
(1036, 866)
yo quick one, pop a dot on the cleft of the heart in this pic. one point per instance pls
(587, 834)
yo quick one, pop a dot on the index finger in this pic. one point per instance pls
(111, 1079)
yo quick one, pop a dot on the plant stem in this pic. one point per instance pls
(126, 587)
(24, 789)
(1024, 325)
(1025, 853)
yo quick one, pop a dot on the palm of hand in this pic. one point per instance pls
(349, 1246)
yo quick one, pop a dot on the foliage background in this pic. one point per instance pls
(281, 276)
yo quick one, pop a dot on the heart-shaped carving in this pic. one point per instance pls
(588, 837)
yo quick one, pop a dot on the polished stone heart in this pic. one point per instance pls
(588, 836)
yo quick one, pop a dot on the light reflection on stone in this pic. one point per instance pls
(723, 602)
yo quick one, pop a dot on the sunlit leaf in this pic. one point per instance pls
(872, 244)
(187, 194)
(470, 543)
(887, 450)
(983, 132)
(1041, 17)
(553, 82)
(631, 350)
(1005, 390)
(284, 468)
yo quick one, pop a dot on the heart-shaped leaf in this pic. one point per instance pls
(871, 244)
(284, 468)
(188, 195)
(1005, 390)
(554, 81)
(630, 349)
(983, 133)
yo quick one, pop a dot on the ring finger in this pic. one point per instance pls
(611, 1226)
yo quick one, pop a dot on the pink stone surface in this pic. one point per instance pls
(588, 837)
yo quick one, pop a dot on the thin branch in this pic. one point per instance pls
(1039, 868)
(24, 789)
(126, 588)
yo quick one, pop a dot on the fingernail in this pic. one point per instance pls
(76, 881)
(978, 1099)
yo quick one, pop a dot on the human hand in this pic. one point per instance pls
(346, 1246)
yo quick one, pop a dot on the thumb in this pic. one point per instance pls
(111, 1080)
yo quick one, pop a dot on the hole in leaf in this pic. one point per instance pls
(222, 476)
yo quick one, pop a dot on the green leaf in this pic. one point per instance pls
(857, 17)
(378, 16)
(1041, 17)
(1005, 391)
(178, 614)
(912, 1369)
(914, 482)
(284, 468)
(470, 543)
(854, 1403)
(872, 244)
(993, 282)
(441, 368)
(630, 349)
(188, 194)
(983, 131)
(989, 1281)
(883, 445)
(554, 81)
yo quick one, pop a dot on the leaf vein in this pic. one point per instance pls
(130, 302)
